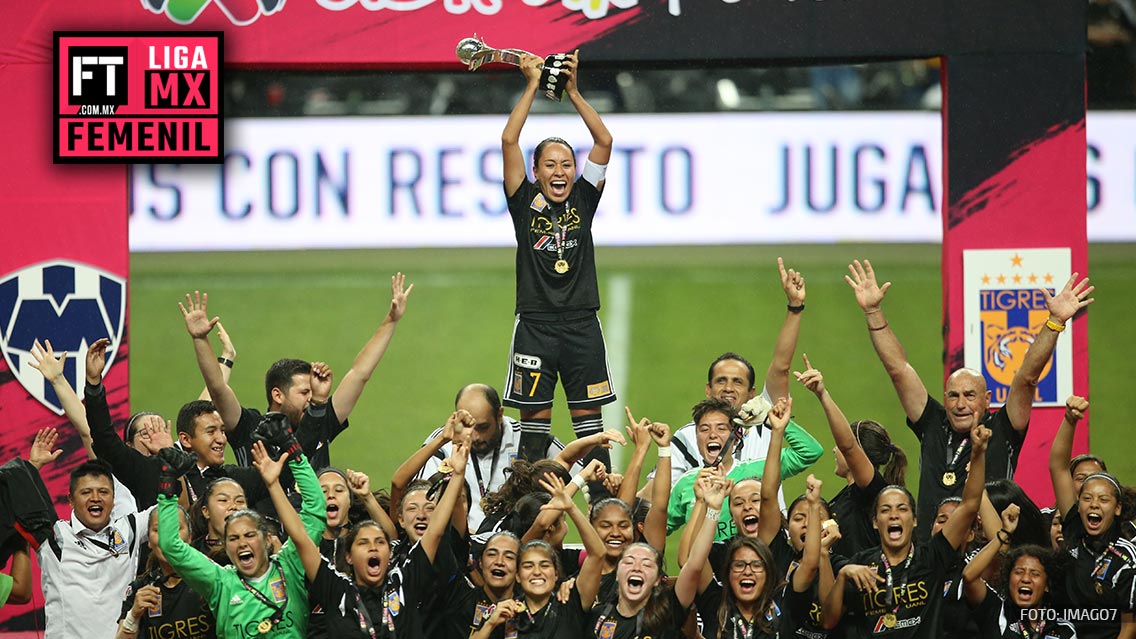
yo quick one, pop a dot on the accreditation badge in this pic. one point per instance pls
(279, 592)
(156, 611)
(607, 630)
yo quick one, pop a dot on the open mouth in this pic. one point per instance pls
(374, 566)
(559, 187)
(749, 524)
(246, 559)
(713, 448)
(635, 584)
(537, 581)
(1094, 521)
(747, 586)
(95, 510)
(497, 573)
(420, 528)
(894, 532)
(332, 511)
(614, 545)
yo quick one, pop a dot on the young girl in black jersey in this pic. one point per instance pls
(342, 489)
(895, 586)
(1101, 573)
(537, 613)
(221, 498)
(159, 602)
(378, 600)
(1028, 573)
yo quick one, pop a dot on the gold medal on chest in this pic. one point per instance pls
(264, 626)
(561, 266)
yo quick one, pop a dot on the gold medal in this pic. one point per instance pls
(889, 620)
(1099, 588)
(949, 479)
(264, 627)
(520, 606)
(561, 266)
(445, 468)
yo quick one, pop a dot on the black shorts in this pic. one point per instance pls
(572, 349)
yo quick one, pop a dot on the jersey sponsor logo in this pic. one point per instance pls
(543, 241)
(70, 303)
(527, 361)
(599, 390)
(607, 630)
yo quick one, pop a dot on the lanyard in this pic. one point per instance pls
(740, 624)
(492, 471)
(891, 598)
(951, 461)
(1023, 627)
(365, 624)
(558, 232)
(109, 547)
(277, 611)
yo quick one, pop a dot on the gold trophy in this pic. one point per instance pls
(473, 52)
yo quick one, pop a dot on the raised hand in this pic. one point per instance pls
(812, 489)
(460, 456)
(359, 483)
(716, 490)
(811, 378)
(1010, 518)
(399, 294)
(268, 468)
(753, 412)
(228, 351)
(609, 437)
(1075, 408)
(531, 66)
(793, 283)
(661, 433)
(779, 414)
(275, 431)
(869, 294)
(555, 487)
(45, 361)
(979, 437)
(613, 482)
(155, 433)
(321, 382)
(41, 452)
(175, 463)
(594, 471)
(1070, 299)
(829, 534)
(571, 69)
(638, 432)
(96, 361)
(195, 311)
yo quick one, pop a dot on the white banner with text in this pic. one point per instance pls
(721, 178)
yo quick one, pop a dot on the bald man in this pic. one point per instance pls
(943, 429)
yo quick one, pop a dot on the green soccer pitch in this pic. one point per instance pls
(667, 312)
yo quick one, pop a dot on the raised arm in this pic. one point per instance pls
(199, 325)
(360, 485)
(655, 523)
(697, 519)
(409, 469)
(858, 463)
(807, 570)
(1061, 452)
(958, 525)
(351, 386)
(640, 436)
(1062, 307)
(777, 377)
(225, 361)
(51, 367)
(696, 573)
(201, 573)
(514, 160)
(440, 520)
(293, 525)
(588, 580)
(578, 448)
(870, 296)
(974, 585)
(769, 519)
(601, 137)
(548, 517)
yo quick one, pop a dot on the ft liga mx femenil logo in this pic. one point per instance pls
(69, 303)
(1005, 309)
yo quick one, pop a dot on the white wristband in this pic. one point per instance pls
(664, 452)
(130, 622)
(712, 514)
(579, 481)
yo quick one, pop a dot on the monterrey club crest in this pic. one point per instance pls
(70, 303)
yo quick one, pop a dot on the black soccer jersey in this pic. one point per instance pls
(999, 619)
(605, 621)
(944, 456)
(709, 603)
(547, 233)
(553, 621)
(1101, 575)
(909, 609)
(852, 510)
(181, 613)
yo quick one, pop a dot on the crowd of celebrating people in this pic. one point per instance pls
(167, 540)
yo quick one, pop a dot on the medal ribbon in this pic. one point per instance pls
(740, 624)
(903, 586)
(1023, 627)
(951, 461)
(492, 470)
(277, 611)
(558, 232)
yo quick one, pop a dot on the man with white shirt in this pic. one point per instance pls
(88, 560)
(493, 445)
